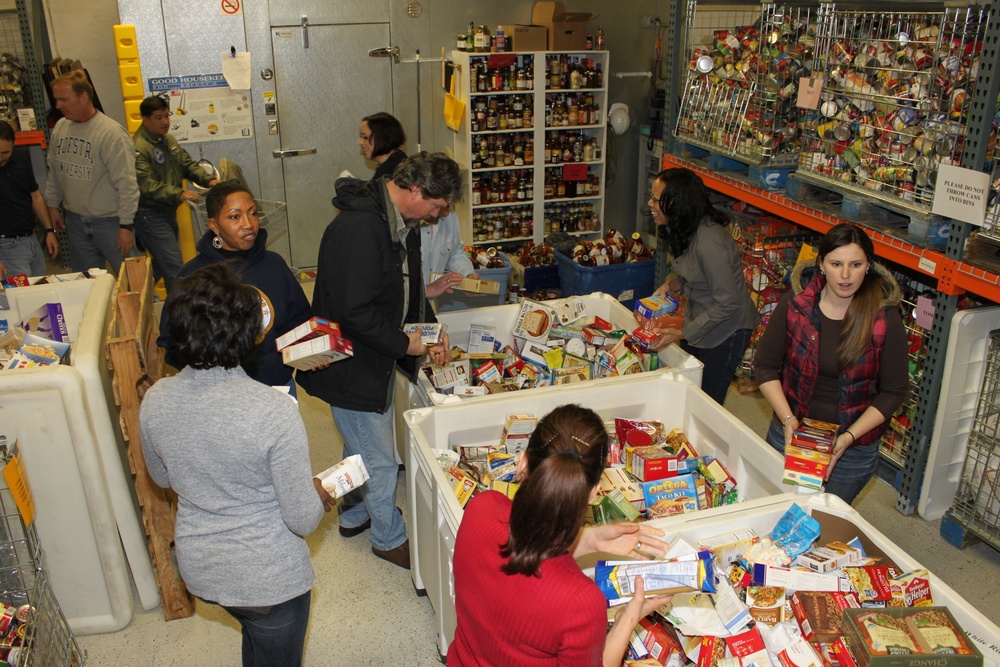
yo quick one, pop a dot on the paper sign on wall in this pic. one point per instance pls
(961, 194)
(231, 7)
(204, 108)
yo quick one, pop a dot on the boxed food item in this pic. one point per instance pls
(815, 434)
(912, 589)
(534, 321)
(47, 321)
(900, 637)
(430, 332)
(305, 355)
(819, 613)
(832, 556)
(766, 603)
(656, 306)
(473, 285)
(314, 327)
(673, 495)
(482, 339)
(34, 351)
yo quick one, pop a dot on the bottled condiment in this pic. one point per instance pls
(483, 39)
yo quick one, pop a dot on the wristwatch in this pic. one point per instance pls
(130, 228)
(49, 230)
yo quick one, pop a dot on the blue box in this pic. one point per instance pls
(718, 162)
(462, 301)
(768, 178)
(625, 282)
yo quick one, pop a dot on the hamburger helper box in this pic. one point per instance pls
(434, 512)
(465, 329)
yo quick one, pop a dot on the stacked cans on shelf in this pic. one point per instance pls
(742, 82)
(895, 100)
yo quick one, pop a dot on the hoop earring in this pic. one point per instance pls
(217, 243)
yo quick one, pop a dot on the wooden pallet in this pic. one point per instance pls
(135, 363)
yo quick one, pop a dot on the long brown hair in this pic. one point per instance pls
(565, 458)
(859, 321)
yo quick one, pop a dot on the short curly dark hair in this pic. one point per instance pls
(212, 318)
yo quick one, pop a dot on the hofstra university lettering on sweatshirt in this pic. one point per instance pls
(92, 169)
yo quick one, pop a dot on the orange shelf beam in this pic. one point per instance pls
(32, 138)
(926, 261)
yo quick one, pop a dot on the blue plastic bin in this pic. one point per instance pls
(460, 300)
(625, 282)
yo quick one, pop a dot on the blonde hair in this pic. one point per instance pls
(77, 78)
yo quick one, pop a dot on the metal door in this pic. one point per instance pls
(325, 82)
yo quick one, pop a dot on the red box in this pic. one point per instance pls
(661, 644)
(314, 327)
(819, 613)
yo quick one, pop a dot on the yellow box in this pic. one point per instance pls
(130, 77)
(125, 42)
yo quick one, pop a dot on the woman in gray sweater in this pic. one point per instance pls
(236, 453)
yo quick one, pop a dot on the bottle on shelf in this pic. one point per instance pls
(500, 39)
(470, 38)
(483, 39)
(599, 38)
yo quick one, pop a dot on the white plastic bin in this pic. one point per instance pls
(85, 506)
(423, 394)
(838, 520)
(503, 317)
(434, 512)
(965, 363)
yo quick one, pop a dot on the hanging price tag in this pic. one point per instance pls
(924, 313)
(809, 89)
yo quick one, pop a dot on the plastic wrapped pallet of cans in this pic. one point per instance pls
(435, 511)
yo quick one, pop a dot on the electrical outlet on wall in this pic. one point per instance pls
(649, 22)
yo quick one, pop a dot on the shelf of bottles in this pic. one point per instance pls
(533, 136)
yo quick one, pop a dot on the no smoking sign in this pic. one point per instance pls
(231, 7)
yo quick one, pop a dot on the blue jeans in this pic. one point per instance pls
(852, 471)
(720, 362)
(156, 230)
(22, 255)
(93, 241)
(370, 435)
(274, 636)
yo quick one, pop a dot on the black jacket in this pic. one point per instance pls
(388, 168)
(359, 284)
(288, 306)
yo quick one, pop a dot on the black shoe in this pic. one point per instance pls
(399, 556)
(357, 530)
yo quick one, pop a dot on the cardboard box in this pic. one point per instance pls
(528, 38)
(962, 652)
(567, 30)
(314, 327)
(473, 285)
(329, 348)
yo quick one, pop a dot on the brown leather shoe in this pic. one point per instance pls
(399, 556)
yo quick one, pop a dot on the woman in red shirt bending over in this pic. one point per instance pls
(520, 597)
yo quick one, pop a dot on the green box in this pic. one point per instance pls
(859, 647)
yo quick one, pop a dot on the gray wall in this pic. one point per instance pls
(194, 30)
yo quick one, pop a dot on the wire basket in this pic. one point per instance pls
(743, 74)
(273, 216)
(895, 101)
(977, 501)
(895, 444)
(42, 630)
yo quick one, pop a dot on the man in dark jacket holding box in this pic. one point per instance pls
(369, 281)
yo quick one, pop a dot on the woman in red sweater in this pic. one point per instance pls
(520, 597)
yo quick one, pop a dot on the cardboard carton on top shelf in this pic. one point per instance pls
(529, 38)
(567, 30)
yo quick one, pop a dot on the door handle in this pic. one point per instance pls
(385, 52)
(292, 152)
